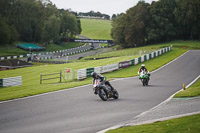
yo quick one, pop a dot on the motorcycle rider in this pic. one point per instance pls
(143, 68)
(102, 79)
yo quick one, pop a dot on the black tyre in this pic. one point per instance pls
(102, 95)
(144, 82)
(147, 82)
(115, 94)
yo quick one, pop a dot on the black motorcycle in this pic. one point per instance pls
(104, 91)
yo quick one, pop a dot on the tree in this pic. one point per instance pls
(114, 16)
(69, 26)
(117, 31)
(187, 15)
(36, 21)
(162, 23)
(136, 23)
(51, 29)
(4, 32)
(79, 26)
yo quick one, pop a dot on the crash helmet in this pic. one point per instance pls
(94, 74)
(143, 65)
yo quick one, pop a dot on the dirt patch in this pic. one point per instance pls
(13, 64)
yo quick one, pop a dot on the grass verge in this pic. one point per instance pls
(192, 91)
(188, 124)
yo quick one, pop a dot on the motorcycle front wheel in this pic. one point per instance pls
(102, 95)
(147, 82)
(144, 82)
(115, 94)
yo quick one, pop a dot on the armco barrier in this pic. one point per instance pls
(110, 67)
(12, 81)
(89, 71)
(125, 64)
(1, 82)
(84, 73)
(98, 69)
(81, 74)
(136, 61)
(133, 62)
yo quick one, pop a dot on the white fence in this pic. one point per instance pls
(81, 74)
(110, 67)
(13, 81)
(84, 73)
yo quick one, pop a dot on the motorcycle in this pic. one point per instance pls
(144, 77)
(104, 91)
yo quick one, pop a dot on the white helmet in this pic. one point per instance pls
(143, 65)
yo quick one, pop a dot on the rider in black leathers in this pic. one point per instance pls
(102, 79)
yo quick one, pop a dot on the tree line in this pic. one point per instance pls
(161, 21)
(91, 14)
(35, 21)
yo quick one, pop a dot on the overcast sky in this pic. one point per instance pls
(104, 6)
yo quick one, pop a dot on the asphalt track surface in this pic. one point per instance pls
(78, 110)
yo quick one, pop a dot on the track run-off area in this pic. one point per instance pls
(78, 110)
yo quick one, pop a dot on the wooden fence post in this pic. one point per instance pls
(60, 76)
(40, 78)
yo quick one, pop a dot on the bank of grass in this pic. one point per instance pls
(192, 91)
(12, 50)
(54, 47)
(31, 75)
(125, 52)
(96, 28)
(188, 124)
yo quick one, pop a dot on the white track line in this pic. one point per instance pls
(151, 121)
(165, 118)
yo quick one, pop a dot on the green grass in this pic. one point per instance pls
(96, 28)
(136, 52)
(53, 47)
(12, 50)
(192, 91)
(31, 75)
(31, 78)
(188, 124)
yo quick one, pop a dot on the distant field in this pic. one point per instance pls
(96, 28)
